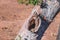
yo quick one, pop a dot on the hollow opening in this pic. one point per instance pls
(31, 24)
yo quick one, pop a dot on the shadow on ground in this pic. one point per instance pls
(43, 27)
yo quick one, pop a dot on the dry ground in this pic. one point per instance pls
(12, 17)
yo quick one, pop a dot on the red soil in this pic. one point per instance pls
(12, 17)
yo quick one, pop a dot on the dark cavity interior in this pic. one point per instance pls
(31, 24)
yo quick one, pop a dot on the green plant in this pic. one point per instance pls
(34, 2)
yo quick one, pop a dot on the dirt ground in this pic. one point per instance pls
(12, 17)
